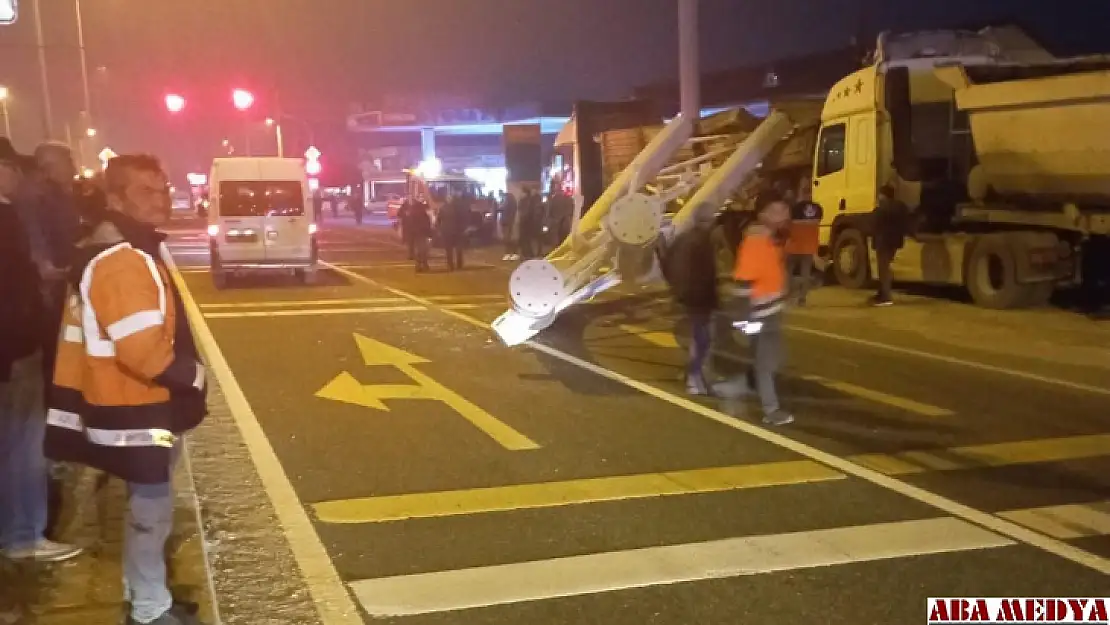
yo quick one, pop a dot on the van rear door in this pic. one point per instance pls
(288, 222)
(241, 220)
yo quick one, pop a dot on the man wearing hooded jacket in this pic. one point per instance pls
(128, 382)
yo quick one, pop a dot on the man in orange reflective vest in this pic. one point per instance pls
(803, 241)
(128, 382)
(760, 276)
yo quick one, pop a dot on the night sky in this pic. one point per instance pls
(321, 60)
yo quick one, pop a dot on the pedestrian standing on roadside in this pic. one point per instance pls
(691, 270)
(129, 382)
(420, 229)
(23, 466)
(890, 225)
(802, 242)
(530, 222)
(760, 276)
(510, 231)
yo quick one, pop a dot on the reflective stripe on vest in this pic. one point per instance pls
(136, 322)
(153, 437)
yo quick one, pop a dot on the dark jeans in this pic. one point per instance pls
(700, 342)
(800, 268)
(454, 253)
(884, 257)
(420, 252)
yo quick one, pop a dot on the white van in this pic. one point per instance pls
(261, 218)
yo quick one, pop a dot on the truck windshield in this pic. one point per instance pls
(259, 199)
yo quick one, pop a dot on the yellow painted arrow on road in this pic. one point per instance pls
(346, 388)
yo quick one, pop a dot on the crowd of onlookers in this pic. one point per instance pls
(97, 364)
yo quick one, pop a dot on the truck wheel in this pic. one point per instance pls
(850, 259)
(992, 277)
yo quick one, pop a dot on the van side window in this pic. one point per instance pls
(830, 149)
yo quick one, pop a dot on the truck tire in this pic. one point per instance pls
(992, 277)
(851, 263)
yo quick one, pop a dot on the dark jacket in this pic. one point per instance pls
(691, 269)
(21, 303)
(891, 222)
(417, 221)
(453, 220)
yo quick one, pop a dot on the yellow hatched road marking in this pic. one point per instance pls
(908, 405)
(668, 340)
(571, 492)
(988, 456)
(659, 339)
(1065, 522)
(307, 302)
(305, 312)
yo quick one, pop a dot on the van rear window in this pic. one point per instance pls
(259, 199)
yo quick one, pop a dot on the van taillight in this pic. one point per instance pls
(312, 228)
(213, 230)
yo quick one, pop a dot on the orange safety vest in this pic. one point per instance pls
(760, 273)
(111, 404)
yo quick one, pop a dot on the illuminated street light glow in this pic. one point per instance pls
(242, 99)
(312, 161)
(4, 92)
(430, 168)
(175, 103)
(270, 121)
(90, 133)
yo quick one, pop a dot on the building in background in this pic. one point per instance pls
(453, 134)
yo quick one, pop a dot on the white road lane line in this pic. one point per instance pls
(673, 564)
(949, 506)
(952, 360)
(333, 603)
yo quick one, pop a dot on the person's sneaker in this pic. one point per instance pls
(176, 615)
(779, 417)
(507, 257)
(44, 551)
(695, 385)
(881, 303)
(514, 256)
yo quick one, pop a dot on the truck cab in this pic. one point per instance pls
(899, 121)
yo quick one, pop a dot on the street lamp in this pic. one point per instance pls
(90, 132)
(175, 103)
(4, 94)
(276, 125)
(242, 99)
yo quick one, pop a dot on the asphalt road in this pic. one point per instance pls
(938, 451)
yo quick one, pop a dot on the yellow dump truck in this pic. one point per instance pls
(1005, 162)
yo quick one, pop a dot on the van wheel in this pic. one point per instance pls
(850, 260)
(307, 277)
(219, 279)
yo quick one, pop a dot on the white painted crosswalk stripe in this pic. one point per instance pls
(656, 566)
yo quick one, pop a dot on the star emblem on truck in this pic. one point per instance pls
(859, 86)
